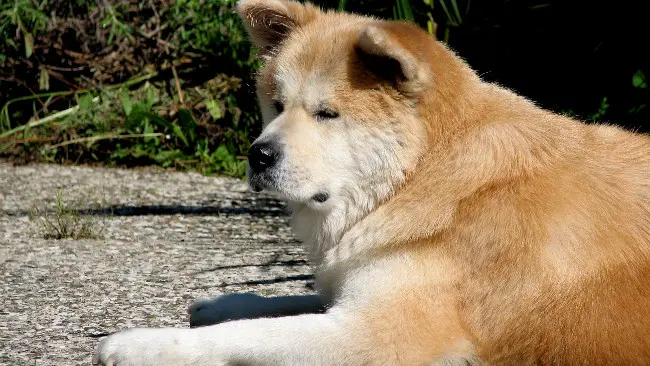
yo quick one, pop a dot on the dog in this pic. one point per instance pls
(450, 220)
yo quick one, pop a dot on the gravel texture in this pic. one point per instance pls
(170, 238)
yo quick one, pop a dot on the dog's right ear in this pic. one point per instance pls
(269, 22)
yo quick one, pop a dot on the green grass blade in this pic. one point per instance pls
(454, 5)
(408, 11)
(450, 19)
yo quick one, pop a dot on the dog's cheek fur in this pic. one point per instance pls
(359, 157)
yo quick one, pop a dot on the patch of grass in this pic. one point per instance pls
(67, 222)
(127, 83)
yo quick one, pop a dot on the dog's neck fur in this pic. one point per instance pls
(322, 230)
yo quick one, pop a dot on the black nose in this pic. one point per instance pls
(262, 155)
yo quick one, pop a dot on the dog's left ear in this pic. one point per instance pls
(269, 22)
(397, 52)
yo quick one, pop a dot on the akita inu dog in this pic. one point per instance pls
(450, 219)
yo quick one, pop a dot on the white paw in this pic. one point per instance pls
(144, 347)
(225, 308)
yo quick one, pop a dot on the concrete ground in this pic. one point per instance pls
(170, 238)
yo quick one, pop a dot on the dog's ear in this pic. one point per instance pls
(397, 52)
(269, 22)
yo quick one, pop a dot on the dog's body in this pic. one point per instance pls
(451, 220)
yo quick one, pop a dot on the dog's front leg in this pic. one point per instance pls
(313, 339)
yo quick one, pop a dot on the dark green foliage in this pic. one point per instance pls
(127, 82)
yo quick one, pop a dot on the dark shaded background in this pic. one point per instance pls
(565, 55)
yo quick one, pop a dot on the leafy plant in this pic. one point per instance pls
(602, 110)
(639, 80)
(167, 104)
(130, 128)
(25, 15)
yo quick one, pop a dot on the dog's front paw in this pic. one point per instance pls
(225, 308)
(146, 347)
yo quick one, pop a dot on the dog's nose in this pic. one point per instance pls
(262, 155)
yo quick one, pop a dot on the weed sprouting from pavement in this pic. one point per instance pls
(67, 222)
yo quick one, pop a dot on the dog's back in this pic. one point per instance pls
(558, 258)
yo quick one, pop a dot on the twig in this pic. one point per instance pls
(27, 140)
(58, 68)
(166, 44)
(178, 85)
(105, 137)
(133, 81)
(61, 78)
(153, 32)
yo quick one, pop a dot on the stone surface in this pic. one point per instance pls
(170, 238)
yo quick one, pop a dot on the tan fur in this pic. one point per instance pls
(464, 224)
(546, 219)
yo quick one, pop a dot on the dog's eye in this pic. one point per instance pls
(279, 107)
(324, 114)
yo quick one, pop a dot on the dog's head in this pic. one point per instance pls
(339, 95)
